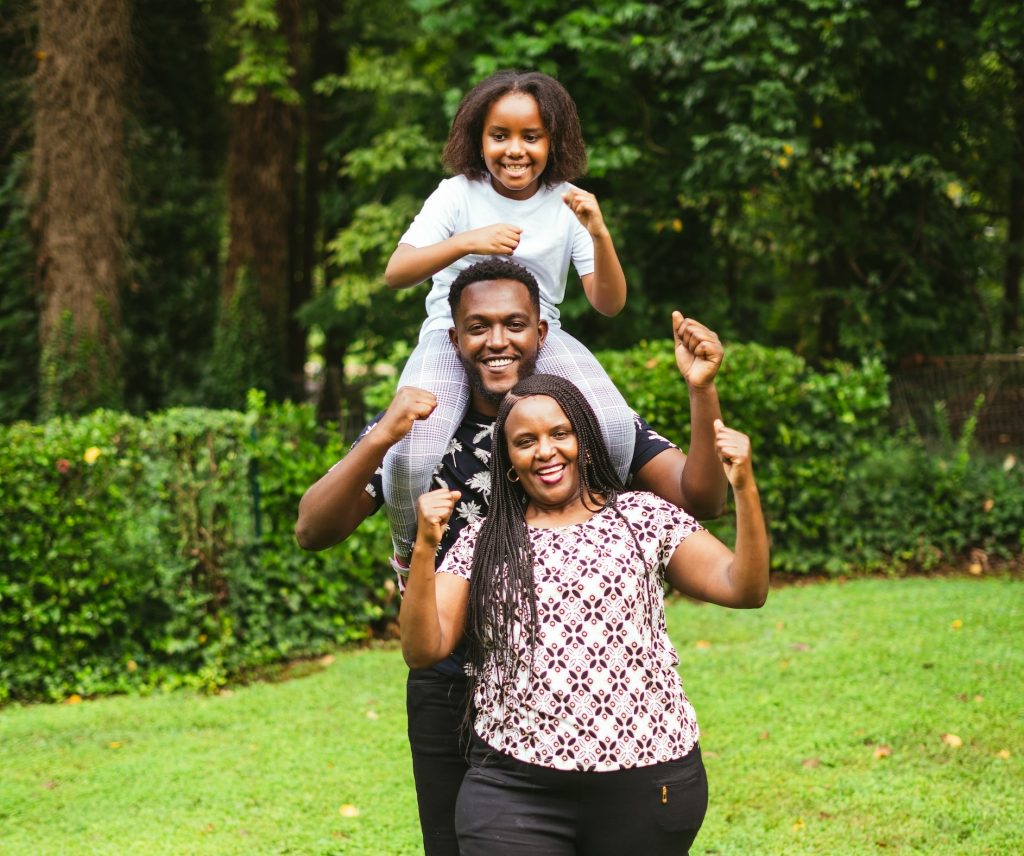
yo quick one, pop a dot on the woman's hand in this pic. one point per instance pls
(432, 513)
(733, 449)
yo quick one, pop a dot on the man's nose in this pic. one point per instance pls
(497, 339)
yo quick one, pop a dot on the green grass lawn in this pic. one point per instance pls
(823, 717)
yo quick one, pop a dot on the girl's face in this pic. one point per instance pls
(515, 145)
(543, 449)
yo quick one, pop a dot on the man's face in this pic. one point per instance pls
(497, 334)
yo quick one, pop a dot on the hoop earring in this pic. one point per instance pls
(508, 475)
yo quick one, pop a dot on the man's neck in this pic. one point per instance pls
(484, 406)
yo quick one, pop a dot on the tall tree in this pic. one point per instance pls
(78, 179)
(251, 339)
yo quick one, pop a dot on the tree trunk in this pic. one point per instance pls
(262, 145)
(1014, 234)
(312, 185)
(77, 184)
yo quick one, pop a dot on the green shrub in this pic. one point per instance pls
(150, 553)
(145, 553)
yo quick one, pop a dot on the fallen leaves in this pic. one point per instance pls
(811, 763)
(952, 741)
(882, 752)
(348, 810)
(957, 623)
(702, 644)
(1003, 754)
(75, 698)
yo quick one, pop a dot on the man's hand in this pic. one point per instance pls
(409, 404)
(432, 512)
(698, 351)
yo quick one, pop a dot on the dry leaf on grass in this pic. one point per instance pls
(1003, 754)
(882, 752)
(811, 763)
(348, 810)
(952, 740)
(702, 644)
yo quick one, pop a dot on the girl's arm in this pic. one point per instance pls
(702, 566)
(411, 265)
(433, 611)
(606, 286)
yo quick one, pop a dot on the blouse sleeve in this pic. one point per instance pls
(665, 524)
(436, 220)
(459, 559)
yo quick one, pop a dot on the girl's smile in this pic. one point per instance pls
(515, 145)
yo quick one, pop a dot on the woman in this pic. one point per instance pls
(584, 741)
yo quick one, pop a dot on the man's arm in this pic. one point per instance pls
(694, 482)
(335, 505)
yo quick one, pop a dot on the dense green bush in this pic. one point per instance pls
(150, 553)
(141, 553)
(842, 494)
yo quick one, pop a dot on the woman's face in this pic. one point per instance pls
(515, 145)
(543, 450)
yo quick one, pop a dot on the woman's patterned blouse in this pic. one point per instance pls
(602, 691)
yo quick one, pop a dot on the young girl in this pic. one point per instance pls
(513, 147)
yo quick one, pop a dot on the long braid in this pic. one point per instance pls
(502, 592)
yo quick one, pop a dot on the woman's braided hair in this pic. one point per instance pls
(502, 593)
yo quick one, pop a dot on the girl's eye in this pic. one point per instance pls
(498, 137)
(531, 138)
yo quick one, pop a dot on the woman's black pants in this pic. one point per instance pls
(509, 808)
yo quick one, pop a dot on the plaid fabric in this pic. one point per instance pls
(434, 366)
(566, 357)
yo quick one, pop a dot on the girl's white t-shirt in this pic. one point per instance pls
(552, 237)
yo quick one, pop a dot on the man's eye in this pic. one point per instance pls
(517, 325)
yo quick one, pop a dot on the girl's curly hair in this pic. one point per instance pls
(567, 158)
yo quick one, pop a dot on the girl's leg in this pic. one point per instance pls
(564, 356)
(656, 810)
(410, 464)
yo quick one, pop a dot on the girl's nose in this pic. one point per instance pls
(515, 146)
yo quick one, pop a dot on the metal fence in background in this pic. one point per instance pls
(931, 390)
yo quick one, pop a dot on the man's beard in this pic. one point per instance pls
(527, 366)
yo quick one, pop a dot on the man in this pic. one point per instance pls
(498, 331)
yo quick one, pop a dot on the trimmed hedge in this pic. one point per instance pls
(145, 553)
(153, 553)
(842, 492)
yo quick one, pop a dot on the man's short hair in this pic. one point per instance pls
(493, 269)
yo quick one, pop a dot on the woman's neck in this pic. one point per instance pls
(568, 514)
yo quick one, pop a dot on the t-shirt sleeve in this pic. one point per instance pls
(375, 487)
(582, 248)
(649, 444)
(673, 524)
(459, 559)
(437, 217)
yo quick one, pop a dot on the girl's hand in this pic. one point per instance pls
(432, 512)
(733, 449)
(588, 212)
(501, 239)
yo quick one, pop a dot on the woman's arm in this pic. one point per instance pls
(606, 286)
(411, 265)
(702, 566)
(433, 611)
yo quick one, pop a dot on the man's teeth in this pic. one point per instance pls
(499, 363)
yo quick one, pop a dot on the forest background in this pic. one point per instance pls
(198, 199)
